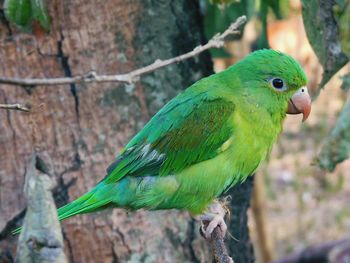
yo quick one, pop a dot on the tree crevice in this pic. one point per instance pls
(64, 61)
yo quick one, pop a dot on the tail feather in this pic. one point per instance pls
(86, 209)
(84, 204)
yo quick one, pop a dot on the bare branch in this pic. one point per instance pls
(216, 42)
(16, 106)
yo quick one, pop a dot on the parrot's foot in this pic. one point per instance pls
(214, 217)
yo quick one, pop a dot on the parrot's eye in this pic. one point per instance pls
(278, 84)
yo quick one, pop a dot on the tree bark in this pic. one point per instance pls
(78, 129)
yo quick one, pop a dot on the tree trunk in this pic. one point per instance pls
(78, 129)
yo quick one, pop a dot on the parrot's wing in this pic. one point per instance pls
(188, 130)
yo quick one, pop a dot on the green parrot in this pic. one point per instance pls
(207, 139)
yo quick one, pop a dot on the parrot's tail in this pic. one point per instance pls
(87, 203)
(92, 201)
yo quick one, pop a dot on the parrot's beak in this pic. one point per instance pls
(300, 103)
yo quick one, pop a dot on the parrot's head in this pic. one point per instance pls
(276, 82)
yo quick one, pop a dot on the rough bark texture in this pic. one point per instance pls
(78, 129)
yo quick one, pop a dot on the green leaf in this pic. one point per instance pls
(218, 18)
(280, 8)
(19, 12)
(222, 2)
(40, 13)
(23, 13)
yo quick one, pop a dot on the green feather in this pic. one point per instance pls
(201, 128)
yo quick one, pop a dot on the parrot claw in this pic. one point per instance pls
(213, 218)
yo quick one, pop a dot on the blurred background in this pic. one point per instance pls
(301, 195)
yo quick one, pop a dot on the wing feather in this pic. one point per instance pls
(186, 131)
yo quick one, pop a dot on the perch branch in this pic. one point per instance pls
(216, 42)
(16, 106)
(219, 248)
(216, 239)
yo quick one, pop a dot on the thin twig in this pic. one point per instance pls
(16, 106)
(216, 42)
